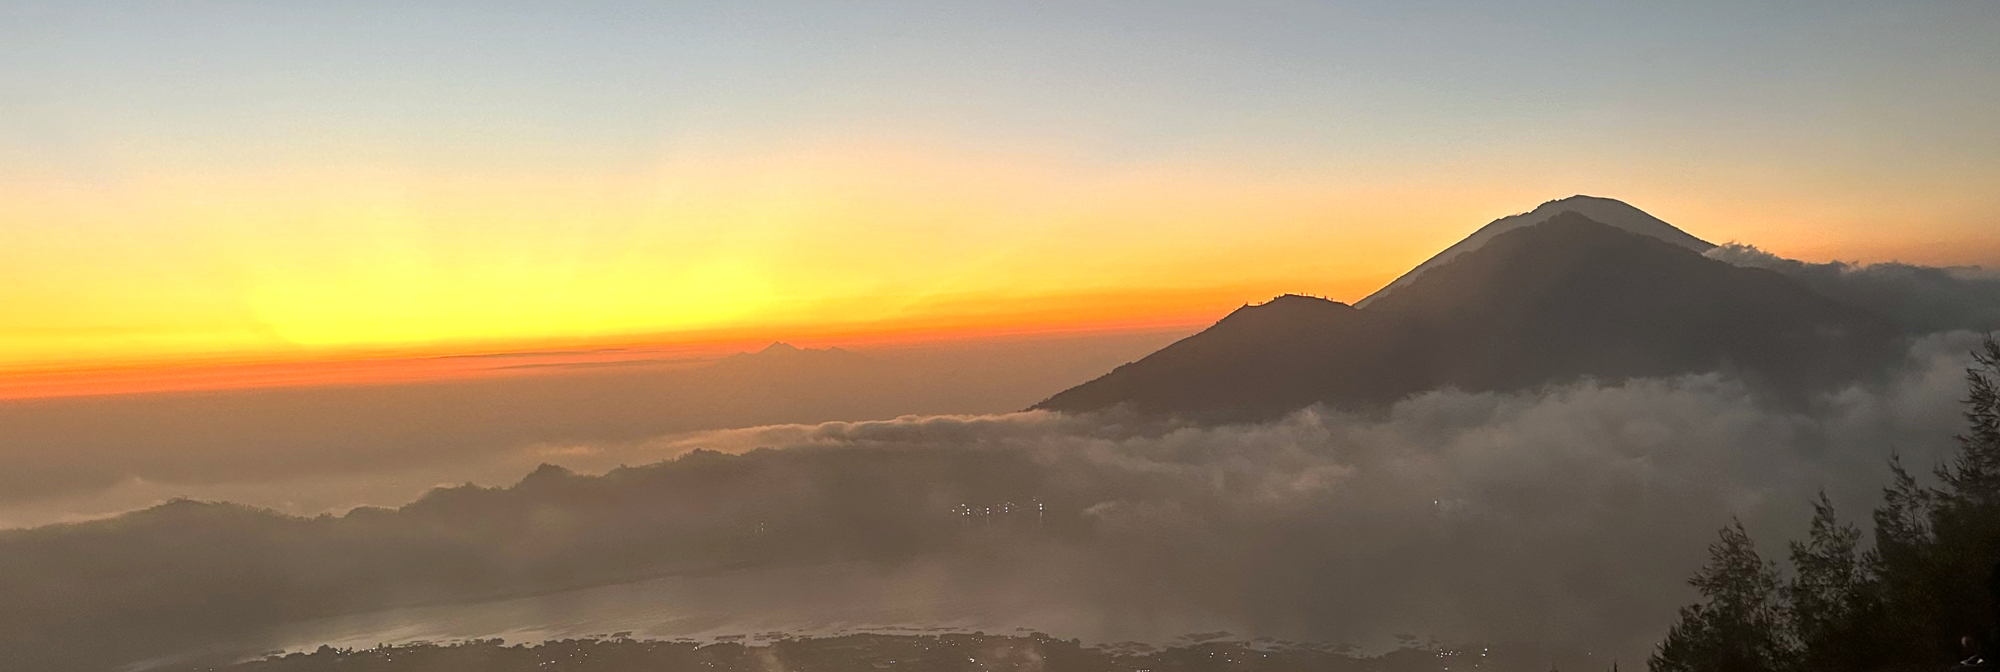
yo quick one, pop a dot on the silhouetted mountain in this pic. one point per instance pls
(1281, 355)
(928, 652)
(1548, 302)
(1602, 210)
(787, 357)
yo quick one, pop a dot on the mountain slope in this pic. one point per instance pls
(1288, 353)
(1603, 210)
(1573, 297)
(1545, 303)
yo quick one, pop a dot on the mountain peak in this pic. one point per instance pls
(1616, 213)
(1580, 199)
(1608, 211)
(545, 474)
(1299, 300)
(1287, 308)
(780, 356)
(782, 351)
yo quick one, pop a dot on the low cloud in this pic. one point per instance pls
(305, 450)
(1923, 299)
(1566, 516)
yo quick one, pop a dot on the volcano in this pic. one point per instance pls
(1545, 297)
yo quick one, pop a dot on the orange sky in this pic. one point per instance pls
(184, 279)
(215, 188)
(503, 357)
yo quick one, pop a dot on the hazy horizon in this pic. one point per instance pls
(300, 181)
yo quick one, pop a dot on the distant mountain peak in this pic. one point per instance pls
(1587, 200)
(545, 474)
(785, 355)
(1298, 299)
(1286, 308)
(1608, 211)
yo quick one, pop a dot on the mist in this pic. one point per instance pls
(1564, 516)
(314, 449)
(1922, 299)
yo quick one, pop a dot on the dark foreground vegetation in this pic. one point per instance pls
(1924, 596)
(954, 652)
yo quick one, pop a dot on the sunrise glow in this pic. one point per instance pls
(464, 195)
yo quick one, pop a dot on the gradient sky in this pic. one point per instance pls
(199, 180)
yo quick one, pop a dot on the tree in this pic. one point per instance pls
(1935, 547)
(1965, 518)
(1739, 626)
(1930, 580)
(1830, 600)
(1902, 574)
(1974, 476)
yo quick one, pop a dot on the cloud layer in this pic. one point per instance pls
(1923, 299)
(306, 450)
(1564, 516)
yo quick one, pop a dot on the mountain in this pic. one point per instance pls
(1546, 302)
(1603, 210)
(784, 356)
(1285, 354)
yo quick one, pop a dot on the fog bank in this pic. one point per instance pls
(1565, 516)
(308, 450)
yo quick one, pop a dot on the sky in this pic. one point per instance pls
(204, 182)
